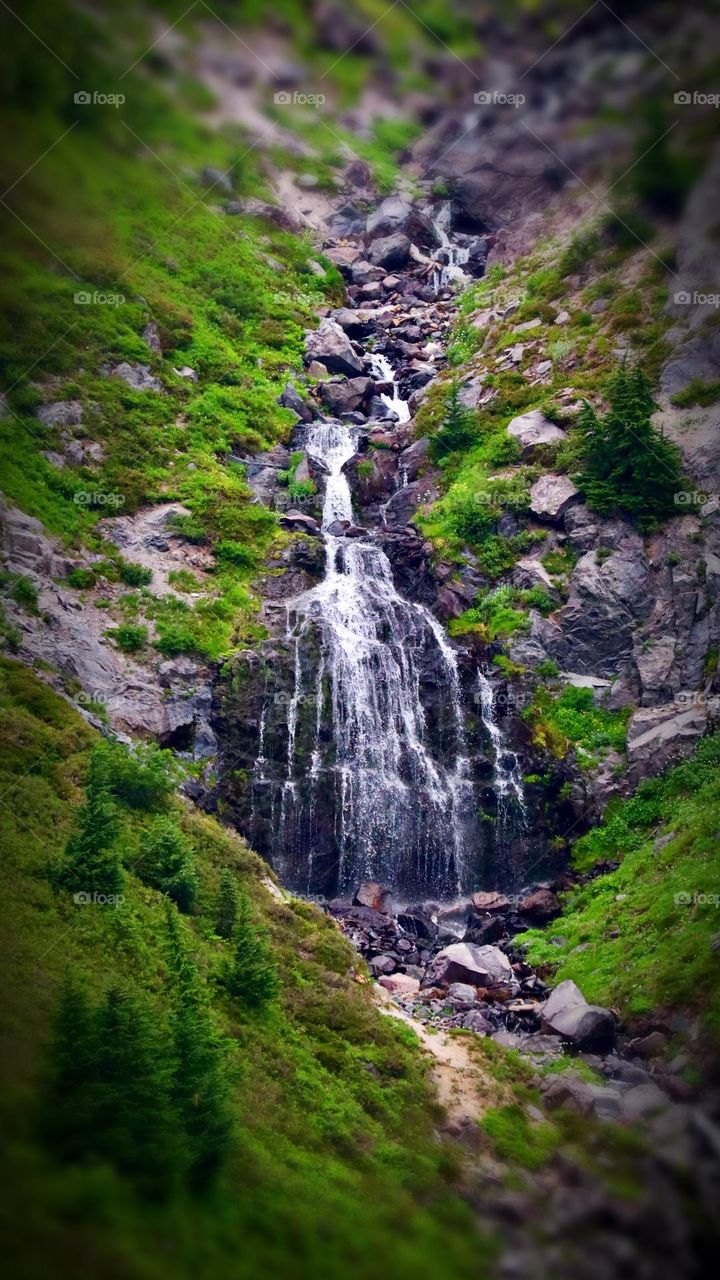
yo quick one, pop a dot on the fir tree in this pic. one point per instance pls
(198, 1083)
(252, 977)
(65, 1121)
(166, 862)
(91, 864)
(227, 905)
(459, 428)
(628, 463)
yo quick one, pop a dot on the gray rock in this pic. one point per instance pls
(389, 251)
(532, 430)
(567, 1014)
(151, 335)
(643, 1100)
(569, 1090)
(657, 735)
(479, 966)
(298, 522)
(331, 346)
(217, 178)
(462, 992)
(396, 215)
(551, 496)
(345, 397)
(137, 376)
(475, 1021)
(291, 399)
(62, 413)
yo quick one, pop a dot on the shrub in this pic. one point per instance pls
(166, 862)
(134, 575)
(81, 579)
(252, 977)
(143, 778)
(459, 428)
(131, 637)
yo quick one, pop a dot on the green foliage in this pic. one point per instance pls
(252, 977)
(497, 553)
(129, 636)
(628, 463)
(516, 1138)
(143, 779)
(166, 862)
(641, 937)
(134, 575)
(81, 579)
(91, 865)
(459, 428)
(20, 589)
(697, 392)
(228, 902)
(573, 719)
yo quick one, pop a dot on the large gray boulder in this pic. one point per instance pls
(396, 215)
(346, 396)
(568, 1014)
(551, 496)
(331, 346)
(62, 413)
(137, 376)
(658, 735)
(479, 966)
(390, 251)
(532, 430)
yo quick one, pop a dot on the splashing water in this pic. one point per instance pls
(401, 808)
(450, 258)
(512, 814)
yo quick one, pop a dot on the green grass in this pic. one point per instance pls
(571, 719)
(645, 930)
(332, 1113)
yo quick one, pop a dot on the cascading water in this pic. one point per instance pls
(383, 370)
(450, 257)
(512, 815)
(401, 806)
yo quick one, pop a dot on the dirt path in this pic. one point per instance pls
(462, 1089)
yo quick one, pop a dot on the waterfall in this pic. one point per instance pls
(383, 370)
(402, 799)
(512, 812)
(450, 258)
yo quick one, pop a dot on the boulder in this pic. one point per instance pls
(418, 924)
(461, 993)
(212, 177)
(480, 966)
(373, 895)
(137, 376)
(396, 215)
(657, 735)
(491, 902)
(567, 1014)
(390, 251)
(569, 1090)
(413, 459)
(399, 984)
(63, 413)
(298, 522)
(643, 1100)
(475, 1021)
(551, 495)
(532, 430)
(382, 965)
(540, 906)
(347, 396)
(291, 399)
(330, 345)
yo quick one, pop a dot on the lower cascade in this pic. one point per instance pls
(400, 795)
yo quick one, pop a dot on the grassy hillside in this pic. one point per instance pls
(331, 1161)
(644, 937)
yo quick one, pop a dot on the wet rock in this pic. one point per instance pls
(491, 902)
(373, 895)
(568, 1014)
(331, 346)
(551, 496)
(297, 521)
(540, 906)
(418, 924)
(532, 430)
(347, 396)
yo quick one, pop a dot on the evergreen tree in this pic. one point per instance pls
(199, 1083)
(227, 905)
(166, 862)
(65, 1121)
(91, 863)
(628, 463)
(252, 977)
(459, 428)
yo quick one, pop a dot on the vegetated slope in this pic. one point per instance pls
(644, 937)
(314, 1107)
